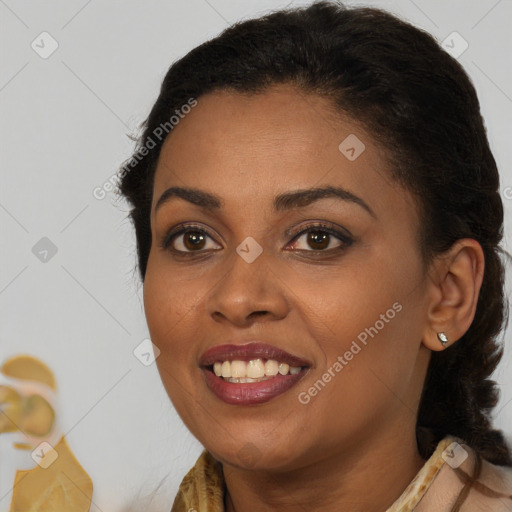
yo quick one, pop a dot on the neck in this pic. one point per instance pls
(368, 478)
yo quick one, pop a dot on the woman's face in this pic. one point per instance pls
(349, 303)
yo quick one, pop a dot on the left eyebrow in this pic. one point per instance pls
(305, 197)
(282, 202)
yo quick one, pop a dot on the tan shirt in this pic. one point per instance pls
(441, 485)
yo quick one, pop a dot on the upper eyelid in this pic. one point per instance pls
(336, 231)
(319, 225)
(184, 227)
(180, 230)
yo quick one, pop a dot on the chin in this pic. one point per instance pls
(255, 456)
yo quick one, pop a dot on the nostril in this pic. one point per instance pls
(258, 313)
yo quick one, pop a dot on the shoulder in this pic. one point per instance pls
(202, 488)
(467, 482)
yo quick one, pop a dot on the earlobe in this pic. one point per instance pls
(456, 279)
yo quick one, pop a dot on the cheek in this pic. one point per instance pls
(348, 301)
(170, 307)
(167, 297)
(367, 323)
(361, 384)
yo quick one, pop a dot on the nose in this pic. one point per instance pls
(248, 292)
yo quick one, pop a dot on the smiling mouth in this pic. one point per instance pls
(250, 373)
(244, 390)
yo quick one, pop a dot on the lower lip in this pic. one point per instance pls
(250, 393)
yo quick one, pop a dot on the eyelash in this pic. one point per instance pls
(345, 240)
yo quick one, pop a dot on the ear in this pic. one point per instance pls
(455, 281)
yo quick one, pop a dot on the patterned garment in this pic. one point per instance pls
(453, 479)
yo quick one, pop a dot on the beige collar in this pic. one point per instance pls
(437, 486)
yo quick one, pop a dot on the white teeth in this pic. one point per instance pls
(244, 380)
(253, 370)
(239, 369)
(271, 367)
(226, 369)
(283, 368)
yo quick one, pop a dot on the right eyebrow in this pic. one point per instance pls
(192, 195)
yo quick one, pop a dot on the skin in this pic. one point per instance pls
(353, 446)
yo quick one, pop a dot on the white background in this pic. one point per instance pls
(64, 122)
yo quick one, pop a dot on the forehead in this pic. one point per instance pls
(243, 146)
(282, 117)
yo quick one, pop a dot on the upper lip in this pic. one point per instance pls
(248, 351)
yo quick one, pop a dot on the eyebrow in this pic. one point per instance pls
(282, 202)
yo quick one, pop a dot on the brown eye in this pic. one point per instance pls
(193, 240)
(321, 238)
(187, 240)
(318, 239)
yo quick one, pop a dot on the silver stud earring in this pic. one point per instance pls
(441, 336)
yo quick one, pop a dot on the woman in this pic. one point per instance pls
(318, 241)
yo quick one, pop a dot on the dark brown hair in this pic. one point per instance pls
(419, 104)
